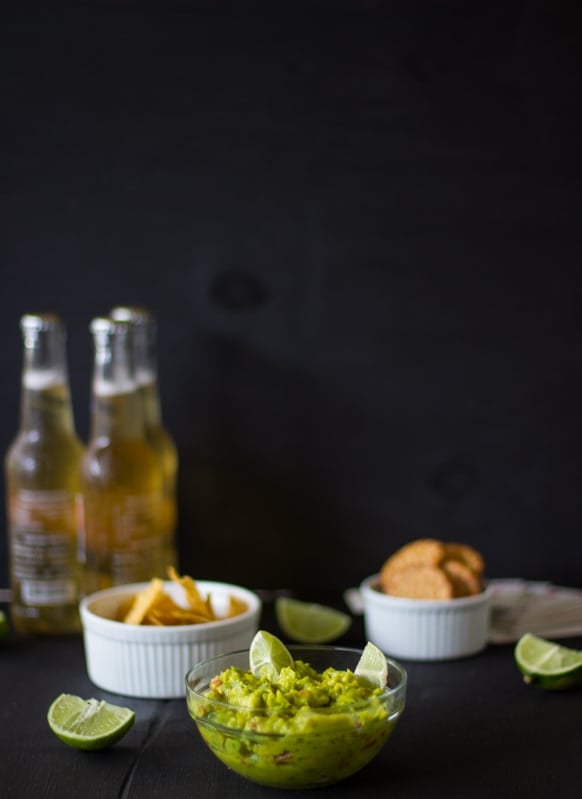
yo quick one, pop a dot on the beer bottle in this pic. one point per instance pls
(44, 488)
(122, 479)
(146, 372)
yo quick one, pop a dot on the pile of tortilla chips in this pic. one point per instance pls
(154, 606)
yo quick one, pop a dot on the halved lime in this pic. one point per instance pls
(310, 623)
(4, 626)
(372, 666)
(268, 655)
(548, 664)
(88, 723)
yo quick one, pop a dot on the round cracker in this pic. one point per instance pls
(419, 582)
(463, 579)
(421, 552)
(467, 555)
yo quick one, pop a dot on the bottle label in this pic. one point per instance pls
(44, 546)
(125, 541)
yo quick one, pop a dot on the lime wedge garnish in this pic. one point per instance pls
(548, 664)
(4, 626)
(372, 666)
(268, 655)
(310, 623)
(88, 723)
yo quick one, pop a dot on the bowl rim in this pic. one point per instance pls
(369, 591)
(90, 617)
(354, 706)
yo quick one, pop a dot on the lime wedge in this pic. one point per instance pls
(268, 655)
(4, 626)
(310, 623)
(372, 666)
(548, 664)
(88, 723)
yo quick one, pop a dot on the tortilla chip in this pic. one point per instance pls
(143, 601)
(193, 596)
(235, 606)
(156, 607)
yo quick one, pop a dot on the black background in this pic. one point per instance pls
(358, 224)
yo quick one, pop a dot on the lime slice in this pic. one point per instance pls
(310, 623)
(88, 723)
(4, 626)
(548, 664)
(268, 655)
(372, 666)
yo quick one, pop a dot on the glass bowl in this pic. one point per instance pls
(275, 747)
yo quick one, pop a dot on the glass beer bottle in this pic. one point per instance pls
(44, 488)
(146, 373)
(122, 479)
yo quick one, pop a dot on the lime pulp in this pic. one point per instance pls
(268, 655)
(372, 666)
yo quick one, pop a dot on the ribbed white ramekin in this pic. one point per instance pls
(150, 661)
(421, 629)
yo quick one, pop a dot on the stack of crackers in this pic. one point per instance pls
(432, 569)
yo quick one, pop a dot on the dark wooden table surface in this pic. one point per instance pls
(471, 728)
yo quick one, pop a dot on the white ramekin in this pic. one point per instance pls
(420, 629)
(150, 661)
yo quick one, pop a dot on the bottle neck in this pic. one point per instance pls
(151, 403)
(116, 404)
(45, 397)
(116, 416)
(146, 367)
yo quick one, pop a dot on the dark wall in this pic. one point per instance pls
(359, 226)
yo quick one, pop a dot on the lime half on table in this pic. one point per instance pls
(310, 623)
(547, 664)
(88, 723)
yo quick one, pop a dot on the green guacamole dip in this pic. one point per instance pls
(303, 730)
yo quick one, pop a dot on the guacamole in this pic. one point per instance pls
(305, 729)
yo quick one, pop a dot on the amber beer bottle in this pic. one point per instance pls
(44, 488)
(144, 329)
(125, 537)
